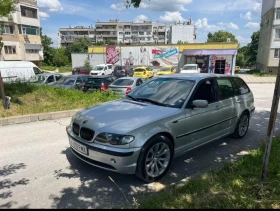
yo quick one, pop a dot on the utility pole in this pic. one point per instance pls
(2, 92)
(271, 126)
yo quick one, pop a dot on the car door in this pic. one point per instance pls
(79, 83)
(201, 123)
(50, 79)
(227, 109)
(106, 70)
(57, 77)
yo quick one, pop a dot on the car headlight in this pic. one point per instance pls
(114, 139)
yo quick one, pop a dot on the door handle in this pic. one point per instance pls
(238, 101)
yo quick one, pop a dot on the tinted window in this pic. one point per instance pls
(123, 82)
(205, 91)
(50, 79)
(240, 87)
(79, 81)
(139, 70)
(94, 81)
(57, 77)
(139, 82)
(226, 88)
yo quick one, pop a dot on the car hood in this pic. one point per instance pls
(121, 116)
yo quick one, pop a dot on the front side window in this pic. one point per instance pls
(58, 77)
(37, 70)
(7, 29)
(163, 92)
(50, 79)
(226, 88)
(205, 91)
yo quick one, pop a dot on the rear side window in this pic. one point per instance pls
(226, 88)
(57, 77)
(123, 82)
(95, 81)
(50, 79)
(241, 87)
(110, 66)
(139, 70)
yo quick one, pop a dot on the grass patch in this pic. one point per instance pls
(235, 186)
(31, 99)
(259, 73)
(48, 68)
(65, 69)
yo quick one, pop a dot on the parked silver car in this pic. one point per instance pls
(124, 85)
(48, 78)
(163, 118)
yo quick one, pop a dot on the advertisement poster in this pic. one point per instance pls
(142, 56)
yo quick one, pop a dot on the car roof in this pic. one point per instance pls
(132, 78)
(76, 76)
(48, 74)
(195, 76)
(101, 76)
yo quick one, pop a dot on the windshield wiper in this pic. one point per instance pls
(152, 102)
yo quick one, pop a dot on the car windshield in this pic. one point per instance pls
(189, 68)
(166, 92)
(41, 79)
(94, 81)
(123, 82)
(165, 69)
(67, 81)
(119, 68)
(98, 68)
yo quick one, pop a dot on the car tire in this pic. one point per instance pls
(160, 141)
(242, 126)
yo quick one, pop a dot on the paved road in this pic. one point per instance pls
(37, 169)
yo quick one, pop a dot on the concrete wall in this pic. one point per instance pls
(267, 5)
(184, 33)
(78, 59)
(266, 38)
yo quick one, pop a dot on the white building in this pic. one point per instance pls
(269, 43)
(182, 31)
(21, 34)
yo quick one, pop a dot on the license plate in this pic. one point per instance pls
(78, 147)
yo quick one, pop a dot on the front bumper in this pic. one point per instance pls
(119, 160)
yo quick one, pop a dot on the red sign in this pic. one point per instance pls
(154, 51)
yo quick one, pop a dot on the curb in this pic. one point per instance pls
(37, 117)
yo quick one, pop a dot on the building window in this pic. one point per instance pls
(148, 33)
(29, 30)
(32, 51)
(10, 49)
(276, 53)
(127, 33)
(141, 33)
(7, 29)
(277, 13)
(277, 33)
(28, 12)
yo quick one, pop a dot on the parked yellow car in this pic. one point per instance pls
(167, 70)
(237, 68)
(144, 72)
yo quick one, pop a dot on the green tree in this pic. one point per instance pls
(79, 46)
(221, 36)
(87, 63)
(240, 60)
(49, 51)
(60, 57)
(6, 8)
(253, 48)
(110, 42)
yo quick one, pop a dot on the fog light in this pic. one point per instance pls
(113, 161)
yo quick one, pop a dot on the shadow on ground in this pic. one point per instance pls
(98, 191)
(6, 185)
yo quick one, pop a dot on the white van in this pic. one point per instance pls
(12, 71)
(190, 68)
(102, 69)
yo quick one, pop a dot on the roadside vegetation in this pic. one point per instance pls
(235, 186)
(259, 73)
(32, 99)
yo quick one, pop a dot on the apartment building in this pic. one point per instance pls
(67, 36)
(21, 34)
(183, 31)
(127, 33)
(269, 43)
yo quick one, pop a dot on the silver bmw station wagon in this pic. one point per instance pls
(163, 118)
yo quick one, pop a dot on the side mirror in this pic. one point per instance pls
(200, 103)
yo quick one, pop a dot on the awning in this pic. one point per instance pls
(210, 52)
(33, 47)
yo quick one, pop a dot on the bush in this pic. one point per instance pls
(65, 69)
(49, 68)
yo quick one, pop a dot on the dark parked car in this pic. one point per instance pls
(72, 82)
(122, 71)
(98, 83)
(81, 71)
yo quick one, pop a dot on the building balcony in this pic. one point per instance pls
(30, 2)
(104, 29)
(33, 57)
(276, 22)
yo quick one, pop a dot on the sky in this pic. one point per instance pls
(240, 17)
